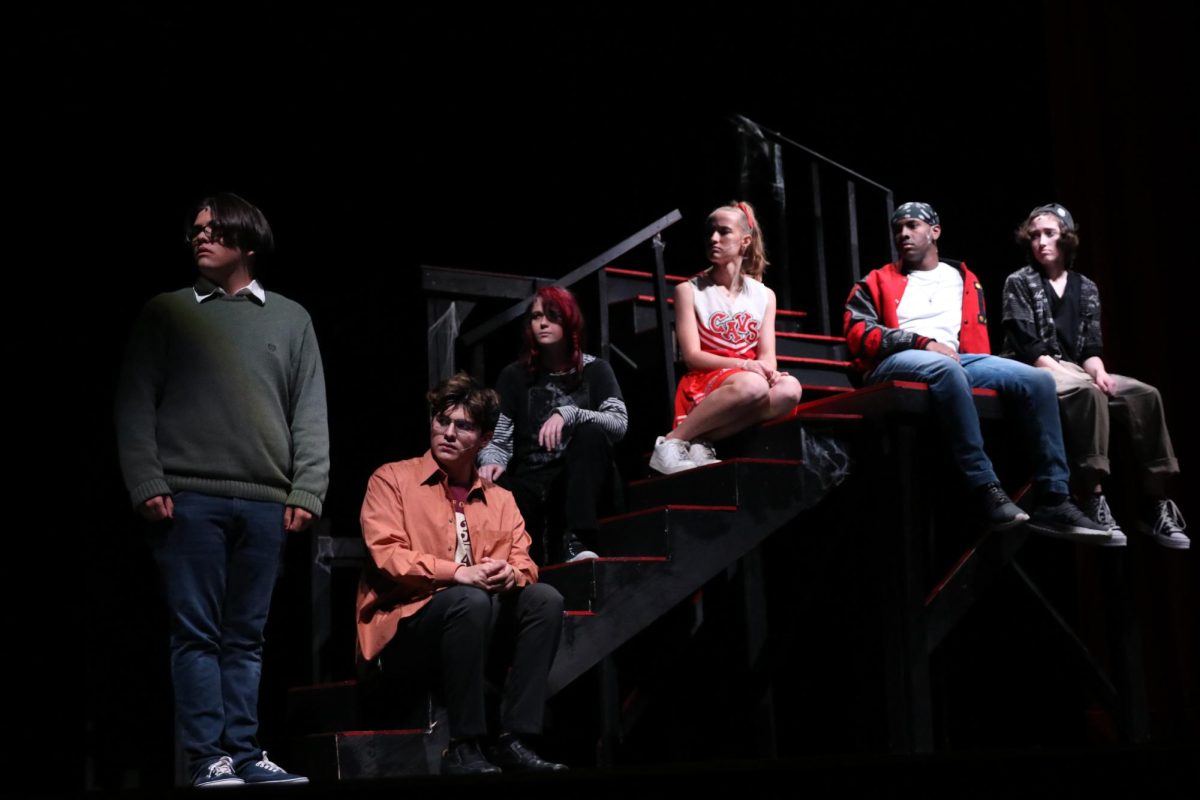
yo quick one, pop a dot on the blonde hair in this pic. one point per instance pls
(754, 262)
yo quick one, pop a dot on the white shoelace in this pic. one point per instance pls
(1170, 519)
(268, 764)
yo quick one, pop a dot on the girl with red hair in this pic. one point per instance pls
(561, 412)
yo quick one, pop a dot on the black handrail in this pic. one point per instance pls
(476, 334)
(827, 315)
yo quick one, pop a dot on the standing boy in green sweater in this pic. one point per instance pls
(224, 446)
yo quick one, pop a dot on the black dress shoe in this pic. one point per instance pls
(463, 758)
(510, 754)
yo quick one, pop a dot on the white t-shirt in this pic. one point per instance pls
(932, 304)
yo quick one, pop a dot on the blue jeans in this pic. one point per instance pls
(219, 558)
(1027, 392)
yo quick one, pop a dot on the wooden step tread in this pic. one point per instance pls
(779, 312)
(605, 560)
(659, 509)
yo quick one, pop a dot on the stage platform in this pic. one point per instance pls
(1093, 772)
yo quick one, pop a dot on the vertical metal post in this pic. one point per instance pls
(602, 316)
(434, 308)
(320, 589)
(907, 659)
(783, 275)
(852, 212)
(610, 712)
(754, 605)
(1129, 674)
(890, 204)
(818, 220)
(665, 329)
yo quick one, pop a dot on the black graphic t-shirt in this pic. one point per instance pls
(526, 402)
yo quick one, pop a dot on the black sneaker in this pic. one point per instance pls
(574, 549)
(510, 754)
(1168, 528)
(463, 758)
(1000, 512)
(1096, 507)
(1066, 521)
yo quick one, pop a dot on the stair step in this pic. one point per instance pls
(814, 391)
(625, 284)
(585, 584)
(781, 439)
(720, 484)
(324, 707)
(767, 492)
(821, 371)
(895, 397)
(648, 532)
(361, 755)
(811, 345)
(638, 313)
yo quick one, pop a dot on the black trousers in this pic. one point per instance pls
(564, 494)
(472, 633)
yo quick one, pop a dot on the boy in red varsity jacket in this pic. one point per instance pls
(923, 319)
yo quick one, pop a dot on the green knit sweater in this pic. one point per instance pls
(224, 397)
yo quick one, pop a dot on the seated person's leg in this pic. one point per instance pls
(527, 635)
(783, 397)
(950, 394)
(1029, 394)
(589, 463)
(531, 489)
(1083, 411)
(1137, 409)
(454, 629)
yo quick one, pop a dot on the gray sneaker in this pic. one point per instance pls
(1096, 507)
(1168, 528)
(1066, 521)
(1000, 512)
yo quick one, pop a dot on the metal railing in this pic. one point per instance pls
(759, 142)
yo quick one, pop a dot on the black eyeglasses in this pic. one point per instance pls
(443, 421)
(213, 230)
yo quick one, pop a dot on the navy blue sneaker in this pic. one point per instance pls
(217, 774)
(1066, 521)
(267, 771)
(999, 511)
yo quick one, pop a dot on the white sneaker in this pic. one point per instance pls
(1168, 529)
(670, 456)
(703, 453)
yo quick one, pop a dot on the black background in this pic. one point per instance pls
(527, 141)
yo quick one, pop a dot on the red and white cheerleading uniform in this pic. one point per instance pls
(728, 327)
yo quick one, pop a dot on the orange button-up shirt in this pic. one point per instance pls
(409, 525)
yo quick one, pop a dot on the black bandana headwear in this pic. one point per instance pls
(921, 211)
(1064, 216)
